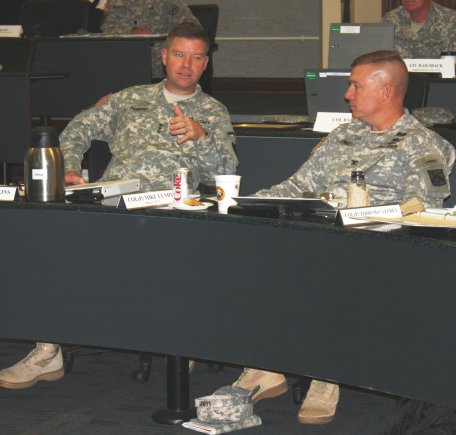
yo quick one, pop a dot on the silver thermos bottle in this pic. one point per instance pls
(43, 167)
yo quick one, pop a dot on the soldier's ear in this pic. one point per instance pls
(164, 53)
(387, 91)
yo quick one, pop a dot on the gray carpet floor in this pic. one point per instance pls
(98, 397)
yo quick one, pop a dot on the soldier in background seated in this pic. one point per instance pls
(422, 28)
(145, 17)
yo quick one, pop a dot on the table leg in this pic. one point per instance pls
(178, 393)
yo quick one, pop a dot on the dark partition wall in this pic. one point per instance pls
(93, 68)
(267, 38)
(15, 120)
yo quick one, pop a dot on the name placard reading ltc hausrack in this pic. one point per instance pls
(147, 199)
(354, 216)
(10, 31)
(444, 66)
(7, 193)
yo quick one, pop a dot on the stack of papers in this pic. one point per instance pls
(222, 427)
(431, 217)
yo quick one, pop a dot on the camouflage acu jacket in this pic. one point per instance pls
(407, 160)
(135, 123)
(157, 15)
(438, 33)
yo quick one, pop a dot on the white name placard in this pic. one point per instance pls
(328, 121)
(350, 29)
(148, 199)
(10, 31)
(7, 193)
(444, 66)
(353, 216)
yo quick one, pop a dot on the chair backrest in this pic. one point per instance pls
(54, 17)
(449, 134)
(207, 15)
(10, 11)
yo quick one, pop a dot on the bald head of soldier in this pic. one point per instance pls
(377, 87)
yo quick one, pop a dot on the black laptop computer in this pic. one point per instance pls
(325, 89)
(348, 41)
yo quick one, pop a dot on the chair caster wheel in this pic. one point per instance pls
(141, 376)
(216, 367)
(142, 373)
(68, 361)
(299, 390)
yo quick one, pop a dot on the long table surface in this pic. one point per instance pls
(353, 306)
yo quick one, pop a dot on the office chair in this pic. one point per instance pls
(417, 90)
(448, 132)
(207, 15)
(54, 17)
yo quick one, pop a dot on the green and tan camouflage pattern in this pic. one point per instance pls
(135, 124)
(226, 413)
(437, 35)
(159, 16)
(392, 161)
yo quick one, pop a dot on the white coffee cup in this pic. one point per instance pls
(227, 186)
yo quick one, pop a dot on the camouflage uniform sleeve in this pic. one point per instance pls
(427, 162)
(216, 155)
(96, 123)
(306, 178)
(173, 12)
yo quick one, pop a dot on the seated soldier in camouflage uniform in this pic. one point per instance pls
(143, 17)
(401, 159)
(422, 28)
(152, 130)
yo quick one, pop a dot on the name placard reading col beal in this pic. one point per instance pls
(328, 121)
(147, 199)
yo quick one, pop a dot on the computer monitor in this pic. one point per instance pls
(348, 41)
(441, 93)
(325, 89)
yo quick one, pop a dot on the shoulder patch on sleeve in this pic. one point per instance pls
(434, 173)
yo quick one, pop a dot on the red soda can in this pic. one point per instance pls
(182, 184)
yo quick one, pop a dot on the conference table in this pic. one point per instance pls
(303, 296)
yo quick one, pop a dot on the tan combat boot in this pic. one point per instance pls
(271, 384)
(44, 363)
(319, 406)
